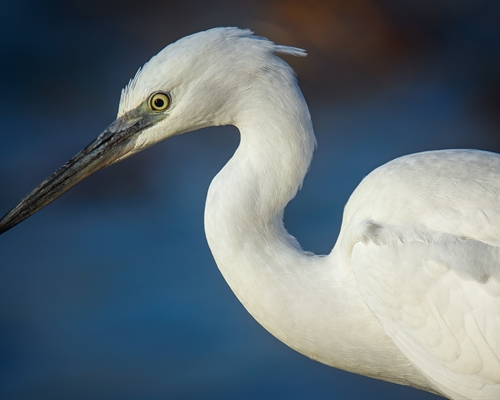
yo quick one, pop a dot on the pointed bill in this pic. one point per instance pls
(114, 144)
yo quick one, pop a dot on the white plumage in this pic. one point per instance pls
(411, 291)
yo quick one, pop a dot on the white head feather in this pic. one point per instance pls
(202, 72)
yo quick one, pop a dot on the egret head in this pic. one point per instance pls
(193, 83)
(203, 76)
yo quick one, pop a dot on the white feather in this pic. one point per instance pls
(409, 294)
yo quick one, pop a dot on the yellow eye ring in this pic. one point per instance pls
(159, 101)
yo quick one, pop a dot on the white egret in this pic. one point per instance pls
(410, 292)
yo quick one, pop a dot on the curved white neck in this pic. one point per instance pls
(266, 171)
(245, 202)
(288, 291)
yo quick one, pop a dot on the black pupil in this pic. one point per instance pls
(159, 103)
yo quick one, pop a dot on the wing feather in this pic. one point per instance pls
(437, 295)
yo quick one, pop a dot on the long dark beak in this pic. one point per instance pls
(114, 144)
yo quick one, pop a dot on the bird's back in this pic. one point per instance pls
(422, 237)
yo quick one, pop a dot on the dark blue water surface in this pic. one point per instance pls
(111, 291)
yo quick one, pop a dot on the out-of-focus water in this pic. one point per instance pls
(111, 291)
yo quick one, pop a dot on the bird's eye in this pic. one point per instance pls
(159, 102)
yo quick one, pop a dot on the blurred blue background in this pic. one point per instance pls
(111, 291)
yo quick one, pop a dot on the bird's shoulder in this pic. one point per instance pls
(451, 191)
